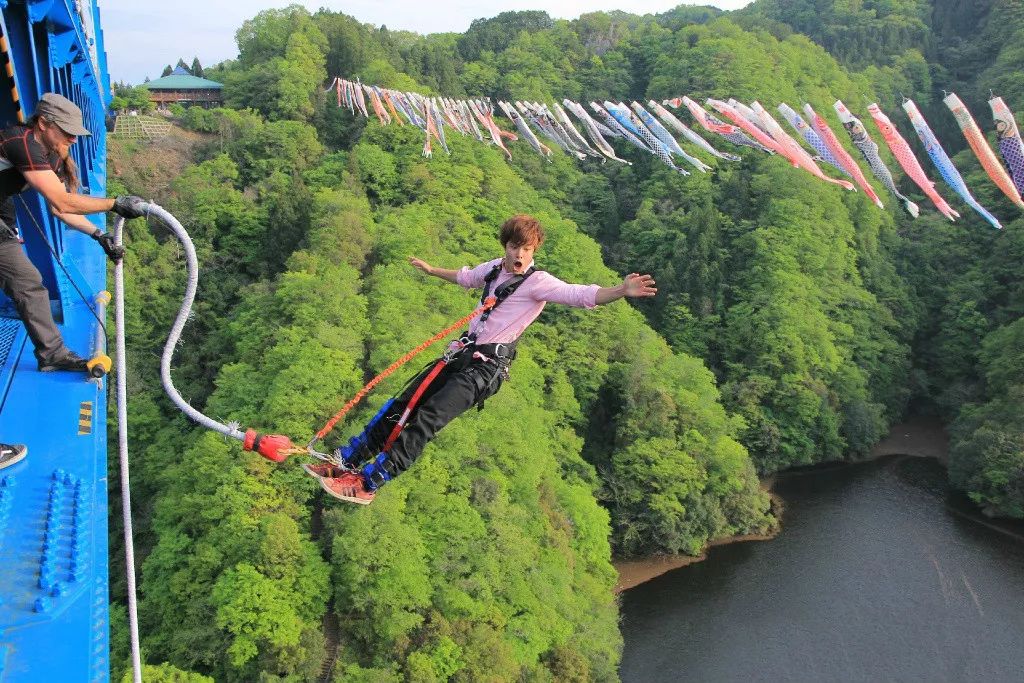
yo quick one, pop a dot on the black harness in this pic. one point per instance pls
(459, 358)
(503, 353)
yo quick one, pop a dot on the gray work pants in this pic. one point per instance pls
(22, 282)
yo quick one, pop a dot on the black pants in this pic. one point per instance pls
(22, 282)
(462, 384)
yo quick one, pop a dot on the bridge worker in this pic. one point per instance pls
(36, 155)
(11, 453)
(478, 363)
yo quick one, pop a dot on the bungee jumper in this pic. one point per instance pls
(471, 370)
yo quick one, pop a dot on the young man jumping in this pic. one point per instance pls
(477, 364)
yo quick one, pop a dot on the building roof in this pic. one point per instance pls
(176, 82)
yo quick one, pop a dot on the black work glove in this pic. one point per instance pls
(114, 251)
(129, 206)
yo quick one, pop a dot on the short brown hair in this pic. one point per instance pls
(522, 229)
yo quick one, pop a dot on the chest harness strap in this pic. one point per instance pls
(504, 291)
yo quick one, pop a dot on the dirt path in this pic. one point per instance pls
(919, 436)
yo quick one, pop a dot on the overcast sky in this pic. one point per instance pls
(143, 36)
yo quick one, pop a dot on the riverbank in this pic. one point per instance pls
(924, 437)
(919, 436)
(634, 572)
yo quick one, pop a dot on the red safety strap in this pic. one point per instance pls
(431, 376)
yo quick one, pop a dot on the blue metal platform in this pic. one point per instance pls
(54, 620)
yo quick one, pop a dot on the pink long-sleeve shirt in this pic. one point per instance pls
(515, 313)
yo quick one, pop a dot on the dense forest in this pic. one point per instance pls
(794, 323)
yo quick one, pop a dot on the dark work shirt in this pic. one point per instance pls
(19, 152)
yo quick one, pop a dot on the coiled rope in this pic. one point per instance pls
(192, 265)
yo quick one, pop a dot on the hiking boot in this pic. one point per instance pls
(350, 487)
(11, 453)
(66, 360)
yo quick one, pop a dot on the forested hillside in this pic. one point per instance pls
(794, 322)
(969, 286)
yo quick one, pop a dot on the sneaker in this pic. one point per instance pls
(349, 487)
(68, 360)
(11, 453)
(322, 470)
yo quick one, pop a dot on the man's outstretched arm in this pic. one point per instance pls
(633, 286)
(443, 273)
(49, 185)
(61, 201)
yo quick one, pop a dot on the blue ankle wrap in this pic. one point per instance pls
(375, 474)
(350, 452)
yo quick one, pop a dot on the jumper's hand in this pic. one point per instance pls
(639, 285)
(421, 264)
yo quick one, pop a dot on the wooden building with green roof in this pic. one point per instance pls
(184, 88)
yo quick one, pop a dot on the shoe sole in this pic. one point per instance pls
(330, 491)
(15, 460)
(51, 368)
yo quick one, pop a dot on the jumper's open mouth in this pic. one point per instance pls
(517, 263)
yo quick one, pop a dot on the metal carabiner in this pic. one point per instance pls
(456, 347)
